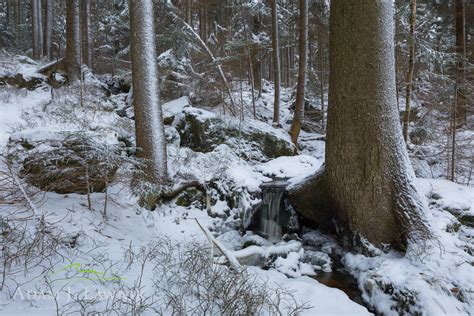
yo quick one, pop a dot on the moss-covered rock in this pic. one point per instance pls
(190, 196)
(66, 162)
(202, 131)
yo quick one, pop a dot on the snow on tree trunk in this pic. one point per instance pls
(276, 63)
(149, 128)
(87, 46)
(72, 59)
(411, 68)
(48, 28)
(303, 64)
(369, 176)
(37, 29)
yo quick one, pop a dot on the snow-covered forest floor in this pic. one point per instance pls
(103, 253)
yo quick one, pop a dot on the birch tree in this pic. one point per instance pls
(149, 128)
(303, 65)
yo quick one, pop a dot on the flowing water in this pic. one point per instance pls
(272, 217)
(270, 224)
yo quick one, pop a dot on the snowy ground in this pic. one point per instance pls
(108, 261)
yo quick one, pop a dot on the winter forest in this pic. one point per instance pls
(236, 157)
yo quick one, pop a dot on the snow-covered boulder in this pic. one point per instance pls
(66, 162)
(202, 131)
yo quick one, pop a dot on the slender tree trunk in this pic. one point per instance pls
(48, 28)
(37, 29)
(72, 60)
(452, 158)
(461, 116)
(189, 12)
(411, 68)
(255, 57)
(276, 63)
(321, 87)
(18, 22)
(303, 65)
(86, 31)
(368, 173)
(149, 128)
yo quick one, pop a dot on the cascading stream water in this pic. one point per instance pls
(270, 221)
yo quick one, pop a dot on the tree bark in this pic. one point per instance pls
(72, 60)
(37, 29)
(369, 176)
(303, 65)
(86, 31)
(48, 28)
(276, 63)
(411, 68)
(149, 127)
(189, 12)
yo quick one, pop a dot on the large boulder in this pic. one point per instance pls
(202, 131)
(66, 162)
(309, 198)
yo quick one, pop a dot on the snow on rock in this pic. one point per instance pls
(439, 280)
(290, 166)
(292, 266)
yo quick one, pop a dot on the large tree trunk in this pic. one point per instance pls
(369, 176)
(72, 60)
(411, 68)
(86, 31)
(37, 23)
(461, 99)
(149, 128)
(48, 28)
(276, 63)
(303, 65)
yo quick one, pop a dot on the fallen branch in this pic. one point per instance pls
(234, 263)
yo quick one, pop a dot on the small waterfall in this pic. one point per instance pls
(272, 208)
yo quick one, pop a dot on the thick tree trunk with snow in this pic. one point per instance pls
(411, 68)
(48, 28)
(149, 128)
(72, 60)
(37, 23)
(86, 31)
(369, 176)
(303, 65)
(276, 63)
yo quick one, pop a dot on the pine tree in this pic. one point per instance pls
(149, 128)
(369, 175)
(72, 60)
